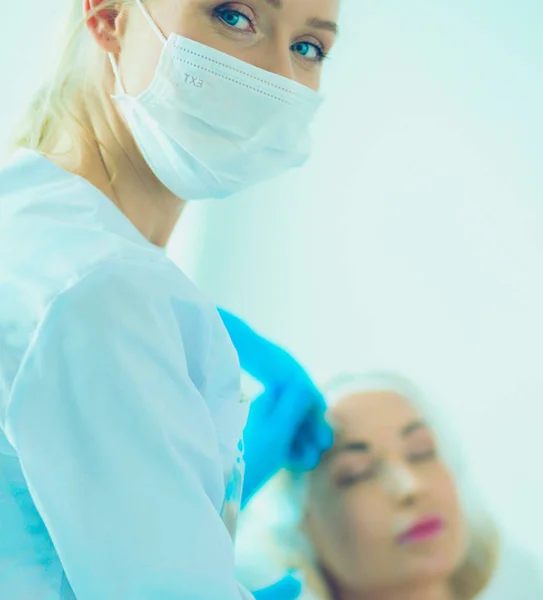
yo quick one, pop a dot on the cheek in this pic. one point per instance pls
(331, 521)
(141, 46)
(355, 514)
(307, 74)
(369, 516)
(447, 501)
(352, 537)
(140, 53)
(445, 494)
(313, 82)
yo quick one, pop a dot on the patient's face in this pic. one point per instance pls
(382, 507)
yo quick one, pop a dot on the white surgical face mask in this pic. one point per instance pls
(211, 125)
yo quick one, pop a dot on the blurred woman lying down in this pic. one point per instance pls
(387, 514)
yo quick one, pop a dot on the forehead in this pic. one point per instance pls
(373, 416)
(322, 9)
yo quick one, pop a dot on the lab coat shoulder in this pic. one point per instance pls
(125, 317)
(66, 245)
(57, 233)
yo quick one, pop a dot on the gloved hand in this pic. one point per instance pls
(288, 588)
(286, 425)
(285, 429)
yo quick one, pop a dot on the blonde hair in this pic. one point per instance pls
(283, 500)
(61, 105)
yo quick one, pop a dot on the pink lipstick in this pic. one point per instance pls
(423, 530)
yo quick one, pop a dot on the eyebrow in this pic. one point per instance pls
(312, 22)
(412, 427)
(365, 447)
(361, 447)
(320, 24)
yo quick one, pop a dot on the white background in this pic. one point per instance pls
(414, 238)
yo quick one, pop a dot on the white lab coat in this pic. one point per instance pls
(120, 412)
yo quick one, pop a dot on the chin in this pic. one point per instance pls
(435, 567)
(436, 561)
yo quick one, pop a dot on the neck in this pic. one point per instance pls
(113, 164)
(438, 591)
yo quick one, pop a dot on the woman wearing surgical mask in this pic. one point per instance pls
(120, 411)
(387, 514)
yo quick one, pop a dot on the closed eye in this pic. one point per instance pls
(351, 462)
(354, 468)
(349, 479)
(427, 455)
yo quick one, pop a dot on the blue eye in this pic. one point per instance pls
(309, 51)
(234, 19)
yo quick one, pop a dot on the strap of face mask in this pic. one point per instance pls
(146, 14)
(155, 28)
(116, 73)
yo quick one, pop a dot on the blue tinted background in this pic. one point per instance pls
(413, 240)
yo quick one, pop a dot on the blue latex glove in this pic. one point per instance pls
(288, 588)
(286, 425)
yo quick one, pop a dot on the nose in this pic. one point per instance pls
(276, 57)
(401, 484)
